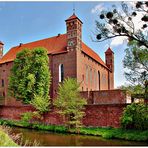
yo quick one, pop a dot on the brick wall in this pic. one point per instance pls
(107, 115)
(87, 73)
(105, 96)
(96, 115)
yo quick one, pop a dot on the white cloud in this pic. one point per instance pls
(98, 8)
(118, 41)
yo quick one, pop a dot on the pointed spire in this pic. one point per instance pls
(73, 17)
(73, 8)
(109, 50)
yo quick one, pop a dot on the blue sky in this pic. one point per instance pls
(22, 22)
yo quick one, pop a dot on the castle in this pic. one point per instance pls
(69, 56)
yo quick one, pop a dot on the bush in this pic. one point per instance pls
(26, 117)
(135, 116)
(40, 103)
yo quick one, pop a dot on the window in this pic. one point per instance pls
(90, 76)
(61, 73)
(2, 82)
(86, 75)
(95, 79)
(99, 80)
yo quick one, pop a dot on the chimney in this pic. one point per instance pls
(1, 49)
(20, 44)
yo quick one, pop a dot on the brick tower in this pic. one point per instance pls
(74, 32)
(1, 49)
(109, 57)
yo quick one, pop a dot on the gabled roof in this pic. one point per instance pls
(54, 45)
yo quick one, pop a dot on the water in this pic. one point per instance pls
(45, 138)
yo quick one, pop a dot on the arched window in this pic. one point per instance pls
(61, 72)
(2, 82)
(86, 74)
(99, 80)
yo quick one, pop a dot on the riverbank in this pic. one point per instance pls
(108, 133)
(5, 140)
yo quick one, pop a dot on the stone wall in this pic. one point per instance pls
(96, 115)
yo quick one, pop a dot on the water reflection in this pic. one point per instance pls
(46, 138)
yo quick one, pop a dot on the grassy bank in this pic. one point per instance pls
(5, 140)
(108, 133)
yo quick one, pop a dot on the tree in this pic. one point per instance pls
(117, 23)
(136, 64)
(69, 103)
(135, 116)
(30, 77)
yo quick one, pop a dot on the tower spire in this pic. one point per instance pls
(73, 8)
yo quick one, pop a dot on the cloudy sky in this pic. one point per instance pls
(22, 22)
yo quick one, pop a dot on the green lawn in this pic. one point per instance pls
(5, 140)
(108, 133)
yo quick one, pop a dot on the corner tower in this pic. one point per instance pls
(74, 32)
(109, 57)
(1, 49)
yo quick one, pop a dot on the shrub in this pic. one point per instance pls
(26, 117)
(135, 116)
(69, 103)
(40, 103)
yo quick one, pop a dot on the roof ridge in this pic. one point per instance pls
(38, 40)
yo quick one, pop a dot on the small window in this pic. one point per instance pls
(3, 94)
(61, 73)
(2, 82)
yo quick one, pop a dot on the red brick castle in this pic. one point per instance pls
(69, 56)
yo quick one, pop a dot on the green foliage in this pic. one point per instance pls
(136, 64)
(133, 89)
(30, 77)
(40, 103)
(26, 117)
(5, 140)
(108, 133)
(135, 116)
(69, 102)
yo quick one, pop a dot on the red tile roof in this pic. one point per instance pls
(54, 45)
(109, 50)
(73, 17)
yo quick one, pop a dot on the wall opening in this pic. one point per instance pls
(98, 80)
(61, 73)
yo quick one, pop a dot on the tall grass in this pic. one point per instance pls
(107, 133)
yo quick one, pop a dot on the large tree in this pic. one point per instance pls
(69, 102)
(30, 77)
(136, 64)
(123, 22)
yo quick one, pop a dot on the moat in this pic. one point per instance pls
(46, 138)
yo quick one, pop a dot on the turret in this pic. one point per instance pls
(109, 57)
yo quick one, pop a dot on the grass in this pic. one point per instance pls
(5, 140)
(107, 133)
